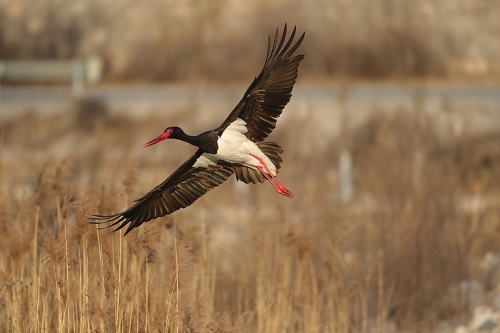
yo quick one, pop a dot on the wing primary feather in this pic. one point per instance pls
(274, 46)
(102, 228)
(118, 221)
(129, 229)
(268, 49)
(296, 46)
(120, 226)
(104, 218)
(281, 42)
(290, 40)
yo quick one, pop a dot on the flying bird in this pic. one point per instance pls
(237, 146)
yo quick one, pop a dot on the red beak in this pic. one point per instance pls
(161, 137)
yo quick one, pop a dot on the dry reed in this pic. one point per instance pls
(387, 259)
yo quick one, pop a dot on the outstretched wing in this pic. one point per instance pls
(271, 90)
(181, 189)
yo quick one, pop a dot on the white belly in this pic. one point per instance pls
(235, 147)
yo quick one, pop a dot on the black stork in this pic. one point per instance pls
(236, 146)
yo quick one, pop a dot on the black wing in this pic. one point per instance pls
(178, 191)
(271, 90)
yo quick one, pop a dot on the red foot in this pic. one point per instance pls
(277, 186)
(269, 176)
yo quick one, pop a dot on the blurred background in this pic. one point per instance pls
(392, 150)
(220, 41)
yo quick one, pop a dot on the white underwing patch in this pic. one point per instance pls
(205, 160)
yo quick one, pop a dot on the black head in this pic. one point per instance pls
(173, 132)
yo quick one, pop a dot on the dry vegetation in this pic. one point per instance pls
(243, 258)
(399, 255)
(225, 39)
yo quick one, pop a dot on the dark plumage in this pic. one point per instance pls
(271, 90)
(260, 107)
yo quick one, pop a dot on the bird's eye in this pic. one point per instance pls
(169, 131)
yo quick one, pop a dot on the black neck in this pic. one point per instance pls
(206, 141)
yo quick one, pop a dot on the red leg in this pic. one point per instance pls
(269, 176)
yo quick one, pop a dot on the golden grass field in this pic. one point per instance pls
(423, 215)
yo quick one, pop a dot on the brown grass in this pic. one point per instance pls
(242, 259)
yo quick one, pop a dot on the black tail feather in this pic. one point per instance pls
(248, 175)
